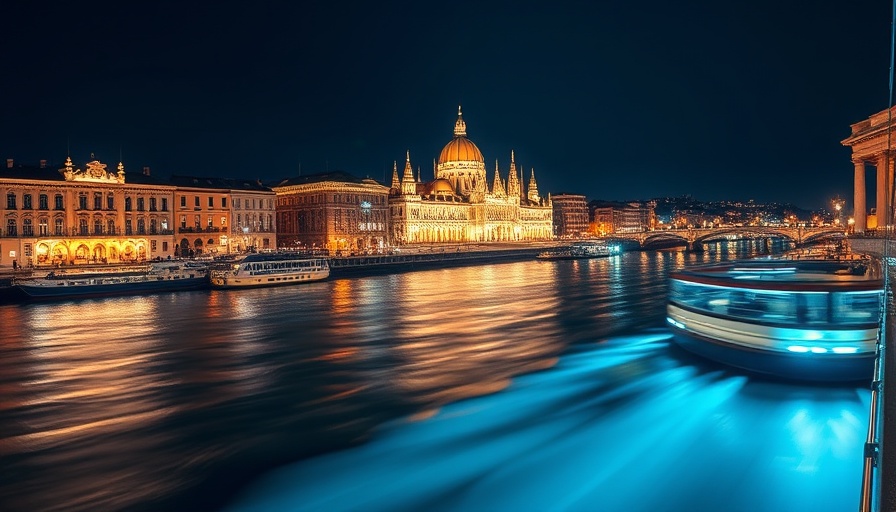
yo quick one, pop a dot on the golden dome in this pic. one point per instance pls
(460, 149)
(441, 186)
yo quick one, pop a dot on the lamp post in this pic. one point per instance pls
(838, 209)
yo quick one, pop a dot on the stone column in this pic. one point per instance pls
(883, 190)
(859, 196)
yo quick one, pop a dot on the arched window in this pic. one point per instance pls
(82, 227)
(43, 228)
(27, 228)
(58, 229)
(11, 228)
(110, 226)
(141, 226)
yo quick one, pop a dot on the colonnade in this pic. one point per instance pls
(870, 141)
(883, 163)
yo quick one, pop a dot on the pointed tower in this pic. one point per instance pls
(461, 163)
(533, 188)
(408, 185)
(513, 186)
(460, 127)
(396, 184)
(498, 185)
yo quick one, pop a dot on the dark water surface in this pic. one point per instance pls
(516, 386)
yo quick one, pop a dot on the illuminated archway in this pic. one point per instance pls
(43, 253)
(128, 252)
(60, 253)
(82, 253)
(99, 253)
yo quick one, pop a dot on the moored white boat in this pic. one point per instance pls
(580, 250)
(270, 269)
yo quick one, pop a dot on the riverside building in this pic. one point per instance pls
(92, 215)
(460, 206)
(72, 216)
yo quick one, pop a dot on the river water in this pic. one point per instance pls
(529, 385)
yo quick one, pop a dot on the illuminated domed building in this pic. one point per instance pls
(459, 206)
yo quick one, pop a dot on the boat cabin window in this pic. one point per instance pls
(788, 307)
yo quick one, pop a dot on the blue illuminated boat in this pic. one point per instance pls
(815, 319)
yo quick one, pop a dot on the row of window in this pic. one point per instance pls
(259, 222)
(352, 199)
(43, 202)
(59, 203)
(237, 203)
(797, 308)
(99, 228)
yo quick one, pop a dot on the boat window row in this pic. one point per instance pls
(779, 307)
(277, 266)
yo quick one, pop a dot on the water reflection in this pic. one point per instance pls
(174, 401)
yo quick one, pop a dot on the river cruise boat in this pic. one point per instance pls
(155, 279)
(805, 319)
(581, 250)
(270, 269)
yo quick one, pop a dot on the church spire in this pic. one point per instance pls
(513, 185)
(408, 185)
(395, 183)
(533, 188)
(498, 185)
(460, 127)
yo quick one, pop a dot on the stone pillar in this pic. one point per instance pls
(883, 191)
(890, 185)
(859, 196)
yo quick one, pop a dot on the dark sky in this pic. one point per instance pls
(617, 100)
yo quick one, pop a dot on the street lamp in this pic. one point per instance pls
(838, 208)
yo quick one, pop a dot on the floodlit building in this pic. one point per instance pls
(460, 206)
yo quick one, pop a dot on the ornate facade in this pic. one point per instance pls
(74, 216)
(459, 206)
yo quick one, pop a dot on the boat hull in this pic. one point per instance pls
(64, 290)
(784, 365)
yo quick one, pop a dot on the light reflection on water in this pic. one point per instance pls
(174, 400)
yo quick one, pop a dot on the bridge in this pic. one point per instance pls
(694, 238)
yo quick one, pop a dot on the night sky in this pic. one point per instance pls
(617, 100)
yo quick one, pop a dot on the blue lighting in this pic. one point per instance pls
(674, 322)
(815, 349)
